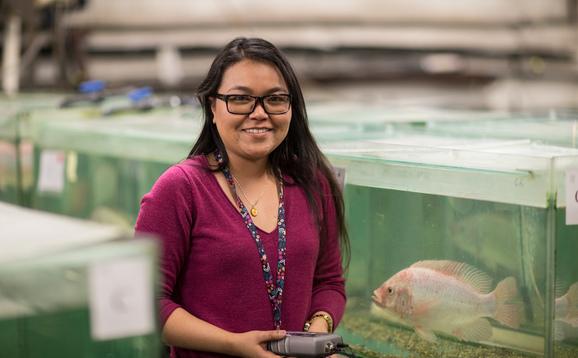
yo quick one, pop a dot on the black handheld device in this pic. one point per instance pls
(306, 344)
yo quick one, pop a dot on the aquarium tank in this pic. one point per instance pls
(73, 288)
(94, 101)
(358, 120)
(554, 127)
(15, 147)
(100, 167)
(492, 220)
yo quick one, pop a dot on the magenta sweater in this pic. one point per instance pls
(211, 265)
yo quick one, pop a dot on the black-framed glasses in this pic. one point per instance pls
(245, 104)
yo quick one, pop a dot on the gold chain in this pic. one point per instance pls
(253, 211)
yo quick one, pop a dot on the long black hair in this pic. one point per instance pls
(298, 155)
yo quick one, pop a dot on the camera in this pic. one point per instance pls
(306, 344)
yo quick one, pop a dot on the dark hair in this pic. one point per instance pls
(298, 156)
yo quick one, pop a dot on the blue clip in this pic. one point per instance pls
(139, 93)
(91, 86)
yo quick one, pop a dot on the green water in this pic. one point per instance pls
(566, 271)
(10, 160)
(110, 163)
(392, 229)
(8, 169)
(15, 144)
(102, 188)
(67, 334)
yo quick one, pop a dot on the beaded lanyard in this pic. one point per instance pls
(275, 291)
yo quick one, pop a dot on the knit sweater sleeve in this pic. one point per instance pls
(166, 212)
(328, 283)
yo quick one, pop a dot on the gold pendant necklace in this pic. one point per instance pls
(253, 210)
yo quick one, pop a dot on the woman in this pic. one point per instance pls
(252, 222)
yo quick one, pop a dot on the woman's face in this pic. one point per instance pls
(255, 135)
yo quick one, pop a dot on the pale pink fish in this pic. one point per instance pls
(566, 311)
(449, 297)
(567, 306)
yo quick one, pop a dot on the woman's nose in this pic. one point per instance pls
(259, 111)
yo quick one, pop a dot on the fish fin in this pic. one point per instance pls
(476, 278)
(572, 297)
(478, 330)
(560, 288)
(572, 318)
(426, 334)
(507, 314)
(424, 309)
(573, 293)
(559, 334)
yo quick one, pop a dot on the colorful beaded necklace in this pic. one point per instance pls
(275, 291)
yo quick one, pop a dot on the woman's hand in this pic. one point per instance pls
(187, 331)
(253, 344)
(321, 322)
(318, 325)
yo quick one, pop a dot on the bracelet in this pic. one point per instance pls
(327, 319)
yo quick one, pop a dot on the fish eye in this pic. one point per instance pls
(390, 290)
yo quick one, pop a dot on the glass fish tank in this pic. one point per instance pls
(100, 167)
(553, 127)
(460, 247)
(15, 148)
(73, 288)
(357, 120)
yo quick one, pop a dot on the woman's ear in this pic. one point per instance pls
(213, 107)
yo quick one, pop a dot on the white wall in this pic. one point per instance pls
(230, 12)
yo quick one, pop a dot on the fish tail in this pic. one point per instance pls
(507, 314)
(559, 334)
(572, 297)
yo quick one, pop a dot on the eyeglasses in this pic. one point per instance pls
(245, 104)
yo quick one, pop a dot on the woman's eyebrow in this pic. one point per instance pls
(240, 88)
(247, 89)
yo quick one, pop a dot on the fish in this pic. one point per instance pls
(566, 307)
(448, 297)
(566, 310)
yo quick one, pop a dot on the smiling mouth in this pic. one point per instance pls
(257, 131)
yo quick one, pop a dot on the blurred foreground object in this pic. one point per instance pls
(72, 288)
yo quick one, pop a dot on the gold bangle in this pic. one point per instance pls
(327, 319)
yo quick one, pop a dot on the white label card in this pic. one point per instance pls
(121, 297)
(572, 196)
(51, 173)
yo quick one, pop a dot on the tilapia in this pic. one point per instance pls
(566, 312)
(567, 306)
(449, 297)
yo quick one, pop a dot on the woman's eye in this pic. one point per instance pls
(240, 98)
(281, 99)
